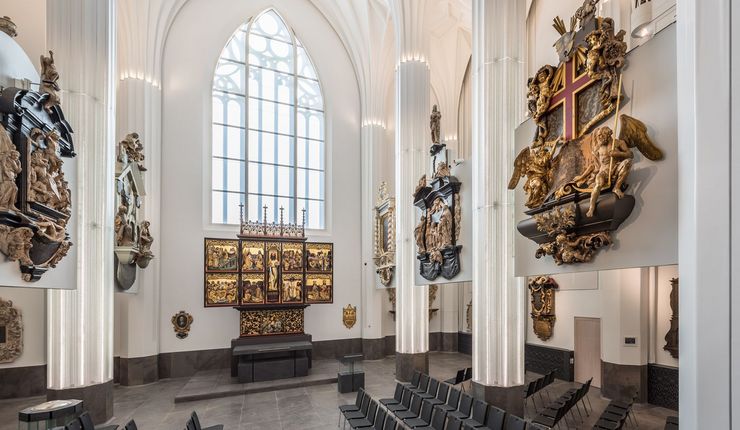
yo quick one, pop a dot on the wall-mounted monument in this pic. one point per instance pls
(35, 199)
(385, 236)
(671, 337)
(133, 240)
(438, 230)
(542, 290)
(11, 332)
(577, 169)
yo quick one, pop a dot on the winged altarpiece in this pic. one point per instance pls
(576, 168)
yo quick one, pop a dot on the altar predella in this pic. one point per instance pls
(577, 168)
(35, 200)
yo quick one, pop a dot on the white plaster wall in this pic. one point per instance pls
(32, 304)
(190, 56)
(29, 17)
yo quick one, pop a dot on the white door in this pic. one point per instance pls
(587, 354)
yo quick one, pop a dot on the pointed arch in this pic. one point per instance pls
(268, 127)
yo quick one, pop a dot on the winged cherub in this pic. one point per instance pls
(536, 164)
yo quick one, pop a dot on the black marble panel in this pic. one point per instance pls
(465, 343)
(390, 345)
(663, 386)
(435, 339)
(98, 399)
(406, 364)
(542, 359)
(373, 349)
(188, 363)
(622, 381)
(448, 342)
(138, 370)
(509, 399)
(336, 348)
(116, 370)
(18, 382)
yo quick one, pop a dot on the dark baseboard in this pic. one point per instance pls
(97, 398)
(542, 359)
(465, 343)
(16, 382)
(188, 363)
(390, 345)
(137, 370)
(323, 349)
(663, 386)
(622, 381)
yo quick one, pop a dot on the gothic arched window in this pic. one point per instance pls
(268, 127)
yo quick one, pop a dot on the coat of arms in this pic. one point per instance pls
(576, 169)
(542, 290)
(349, 316)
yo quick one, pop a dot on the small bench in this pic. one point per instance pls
(274, 360)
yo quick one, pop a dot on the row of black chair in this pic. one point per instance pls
(536, 386)
(84, 422)
(671, 423)
(461, 376)
(427, 403)
(365, 413)
(560, 408)
(615, 415)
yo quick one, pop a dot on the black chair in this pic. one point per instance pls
(463, 410)
(495, 418)
(405, 402)
(528, 393)
(441, 396)
(380, 419)
(368, 420)
(396, 397)
(513, 422)
(190, 425)
(431, 390)
(414, 380)
(468, 374)
(131, 425)
(439, 417)
(454, 424)
(423, 420)
(478, 417)
(453, 400)
(362, 413)
(671, 423)
(411, 412)
(74, 425)
(423, 385)
(459, 378)
(390, 423)
(196, 421)
(87, 423)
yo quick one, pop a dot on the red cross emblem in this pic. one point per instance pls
(567, 86)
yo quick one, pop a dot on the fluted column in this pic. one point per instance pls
(80, 322)
(499, 299)
(412, 141)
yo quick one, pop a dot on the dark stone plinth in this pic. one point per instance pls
(97, 399)
(350, 382)
(542, 359)
(663, 386)
(510, 399)
(17, 382)
(622, 381)
(138, 370)
(273, 368)
(406, 364)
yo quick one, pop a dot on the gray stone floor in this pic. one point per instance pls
(311, 408)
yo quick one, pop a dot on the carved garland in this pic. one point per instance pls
(11, 332)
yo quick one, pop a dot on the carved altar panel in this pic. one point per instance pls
(267, 322)
(11, 332)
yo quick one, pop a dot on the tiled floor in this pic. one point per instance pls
(310, 408)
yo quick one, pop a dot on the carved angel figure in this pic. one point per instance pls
(15, 243)
(536, 164)
(539, 94)
(443, 170)
(145, 238)
(124, 231)
(586, 11)
(434, 124)
(611, 159)
(605, 57)
(41, 186)
(419, 235)
(49, 78)
(131, 149)
(422, 183)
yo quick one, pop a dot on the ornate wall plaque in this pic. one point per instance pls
(181, 322)
(11, 332)
(438, 230)
(542, 289)
(35, 199)
(576, 168)
(384, 236)
(671, 338)
(265, 322)
(133, 239)
(349, 316)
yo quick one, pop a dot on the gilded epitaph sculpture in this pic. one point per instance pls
(385, 236)
(438, 230)
(35, 199)
(133, 239)
(575, 172)
(542, 290)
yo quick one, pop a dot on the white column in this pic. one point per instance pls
(412, 142)
(707, 91)
(371, 313)
(80, 322)
(499, 299)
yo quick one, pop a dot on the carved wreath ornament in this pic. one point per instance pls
(11, 332)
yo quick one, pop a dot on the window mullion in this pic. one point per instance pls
(246, 120)
(295, 129)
